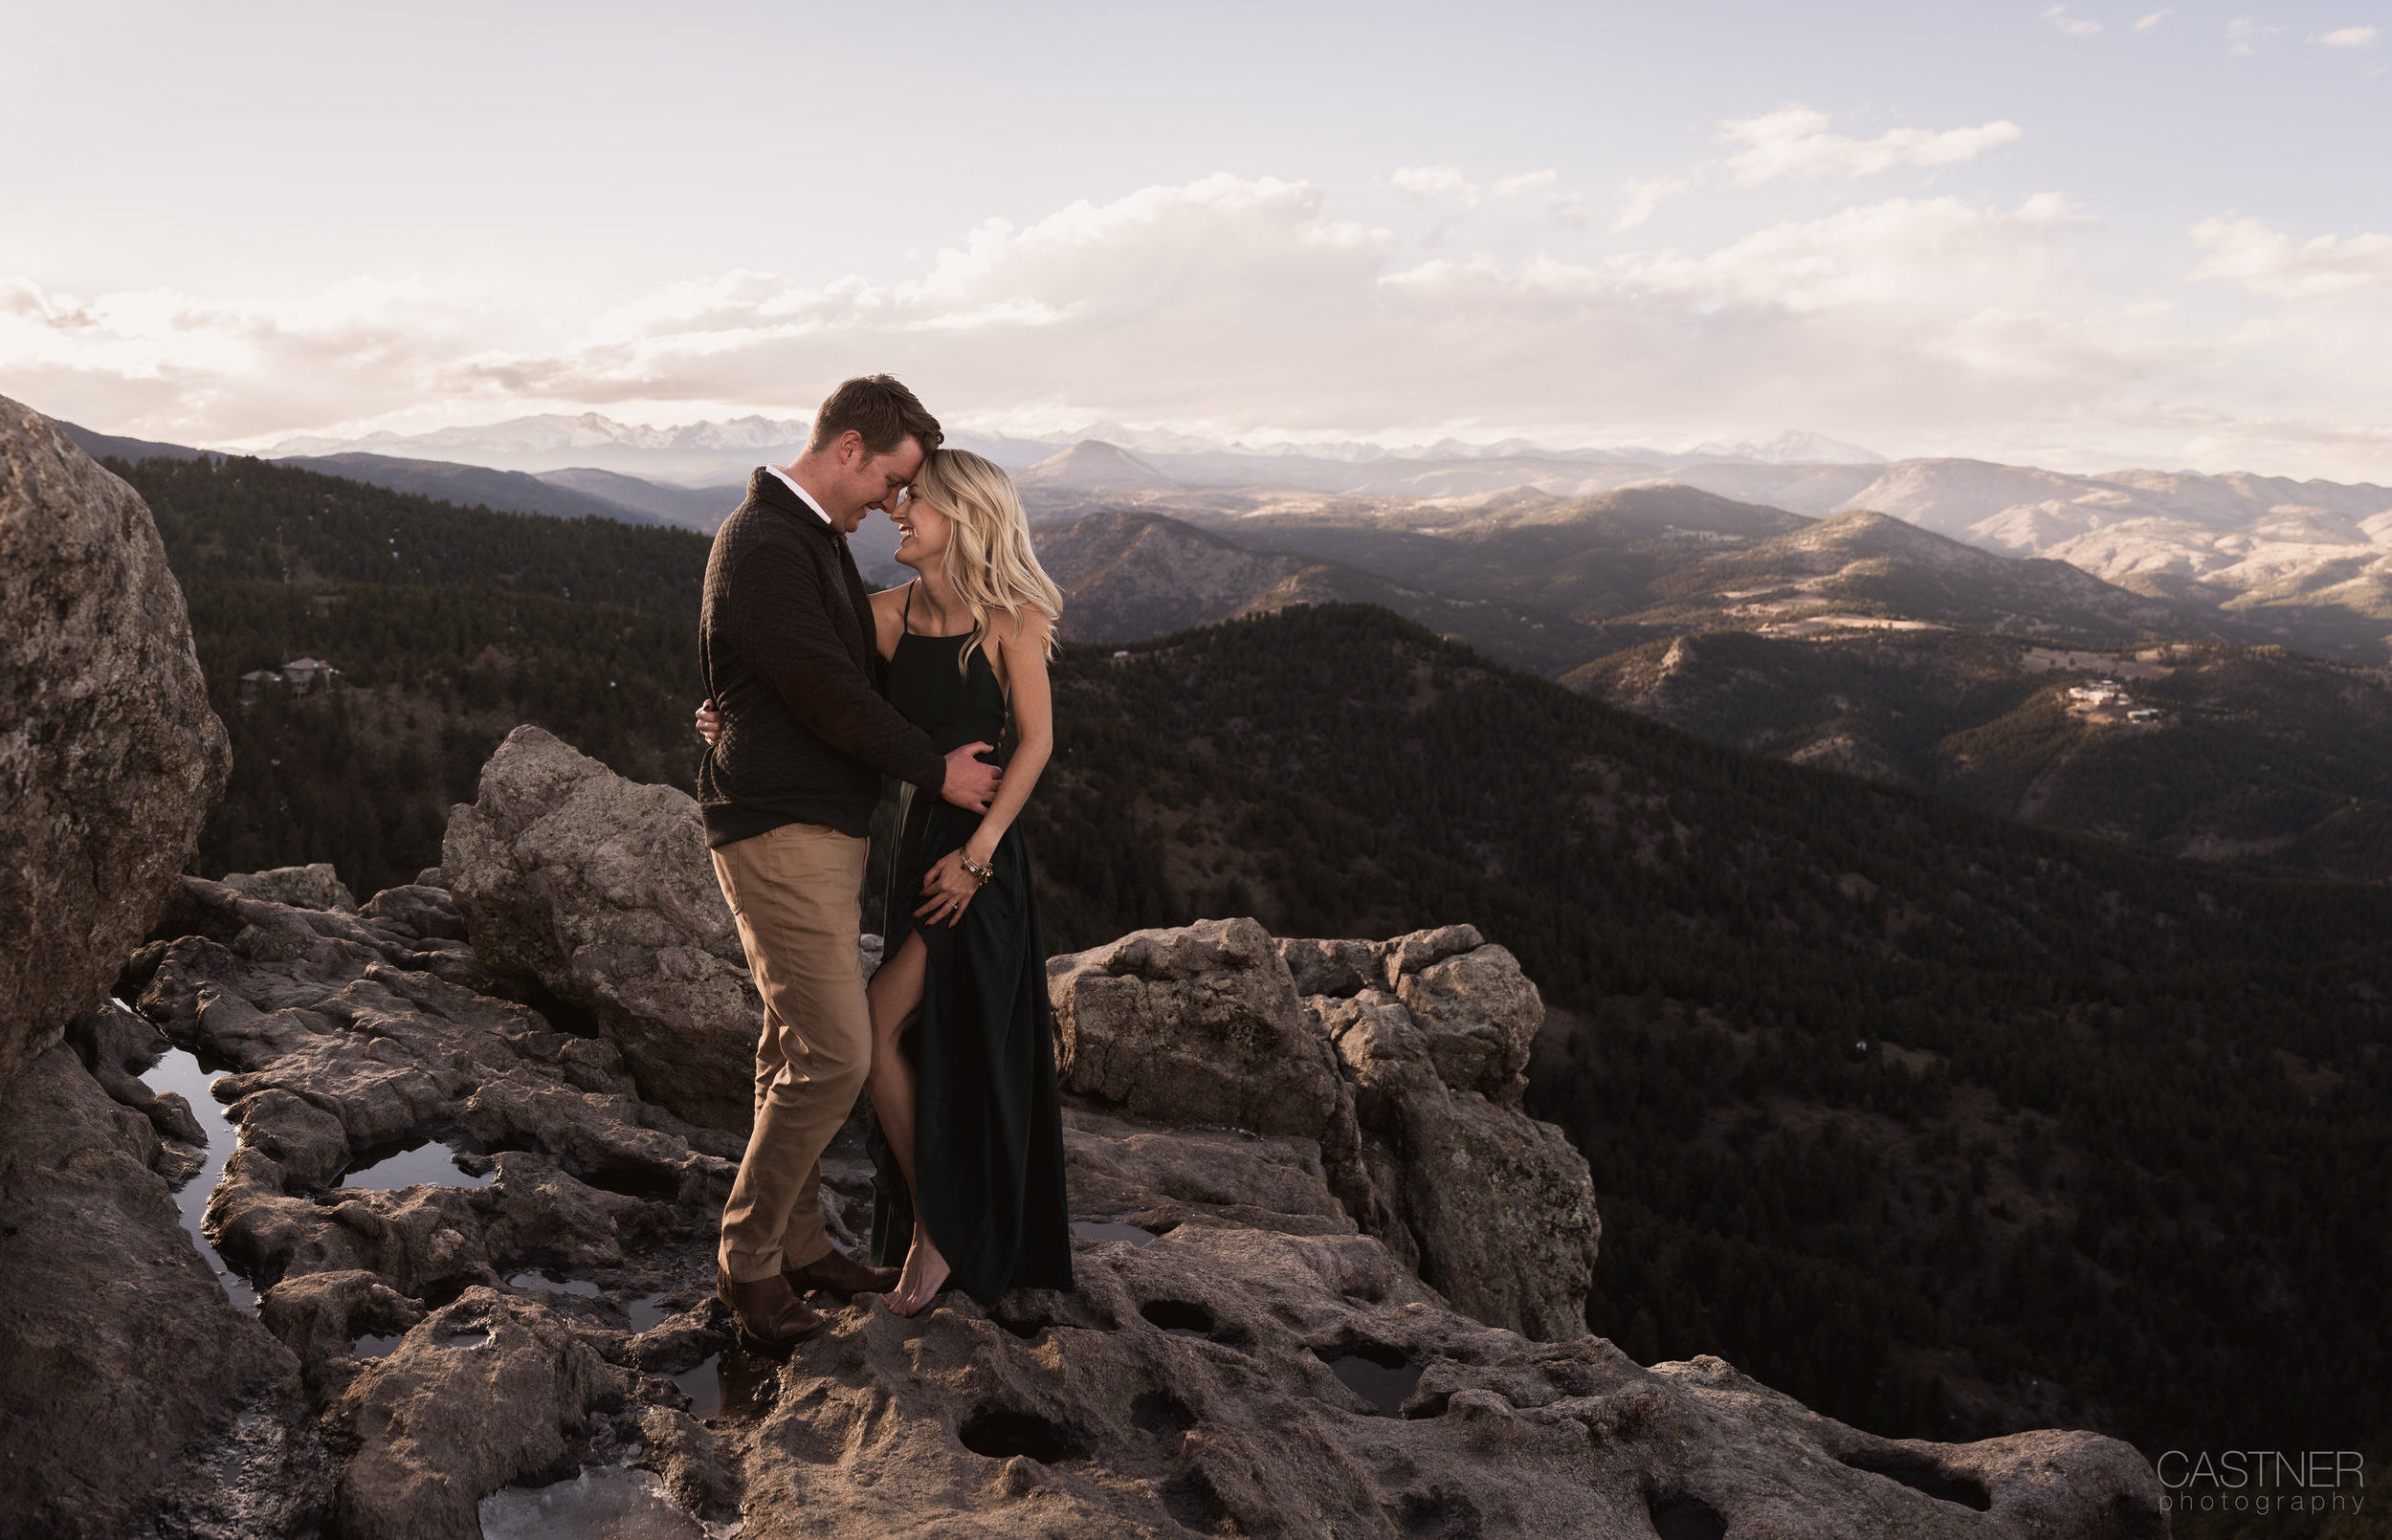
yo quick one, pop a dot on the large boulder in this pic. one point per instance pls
(1197, 1025)
(125, 1373)
(599, 891)
(1403, 1059)
(109, 755)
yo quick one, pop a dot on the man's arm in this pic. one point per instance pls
(793, 644)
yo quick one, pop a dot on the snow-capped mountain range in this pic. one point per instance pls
(707, 453)
(2252, 543)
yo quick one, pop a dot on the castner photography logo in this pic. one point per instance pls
(2263, 1481)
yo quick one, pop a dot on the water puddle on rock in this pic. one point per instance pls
(185, 1074)
(426, 1163)
(581, 1287)
(1382, 1375)
(376, 1346)
(646, 1311)
(1111, 1230)
(733, 1386)
(601, 1502)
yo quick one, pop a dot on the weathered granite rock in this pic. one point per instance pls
(1200, 1025)
(1206, 1383)
(1477, 1011)
(126, 1375)
(109, 755)
(339, 1053)
(1416, 1123)
(418, 909)
(1487, 1204)
(489, 1391)
(319, 1316)
(600, 891)
(316, 886)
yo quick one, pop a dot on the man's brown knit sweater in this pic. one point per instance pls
(785, 639)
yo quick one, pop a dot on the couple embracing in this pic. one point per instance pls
(818, 691)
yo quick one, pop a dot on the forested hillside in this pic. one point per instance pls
(2249, 752)
(448, 625)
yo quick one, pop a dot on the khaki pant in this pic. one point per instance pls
(793, 892)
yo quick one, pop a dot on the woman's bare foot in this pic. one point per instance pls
(925, 1274)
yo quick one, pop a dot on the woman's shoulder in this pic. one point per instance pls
(891, 601)
(1027, 625)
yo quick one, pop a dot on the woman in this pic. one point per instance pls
(968, 1158)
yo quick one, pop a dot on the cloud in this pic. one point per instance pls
(180, 361)
(1434, 182)
(1565, 209)
(2074, 26)
(2243, 35)
(1922, 324)
(2269, 262)
(2346, 38)
(2144, 24)
(1795, 141)
(1640, 198)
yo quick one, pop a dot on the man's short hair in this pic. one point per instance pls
(879, 408)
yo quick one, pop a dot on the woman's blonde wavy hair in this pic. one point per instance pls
(989, 556)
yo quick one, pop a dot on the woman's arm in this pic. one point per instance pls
(1033, 727)
(947, 888)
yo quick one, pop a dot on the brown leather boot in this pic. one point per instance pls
(835, 1273)
(766, 1309)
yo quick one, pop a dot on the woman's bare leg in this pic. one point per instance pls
(896, 998)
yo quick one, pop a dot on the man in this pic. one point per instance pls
(788, 641)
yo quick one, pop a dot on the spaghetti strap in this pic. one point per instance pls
(905, 621)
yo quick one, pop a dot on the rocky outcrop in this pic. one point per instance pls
(1231, 1380)
(491, 1389)
(109, 755)
(1308, 1215)
(597, 891)
(126, 1377)
(1403, 1059)
(1195, 1025)
(339, 1051)
(316, 886)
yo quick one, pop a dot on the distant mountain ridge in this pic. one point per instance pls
(2305, 563)
(466, 485)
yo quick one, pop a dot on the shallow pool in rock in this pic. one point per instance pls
(1382, 1375)
(188, 1076)
(734, 1386)
(603, 1503)
(429, 1162)
(1111, 1230)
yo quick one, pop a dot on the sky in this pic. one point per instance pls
(2085, 237)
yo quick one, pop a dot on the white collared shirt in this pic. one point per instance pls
(808, 496)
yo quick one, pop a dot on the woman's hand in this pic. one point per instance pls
(710, 723)
(947, 889)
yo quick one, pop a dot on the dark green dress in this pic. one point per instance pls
(987, 1111)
